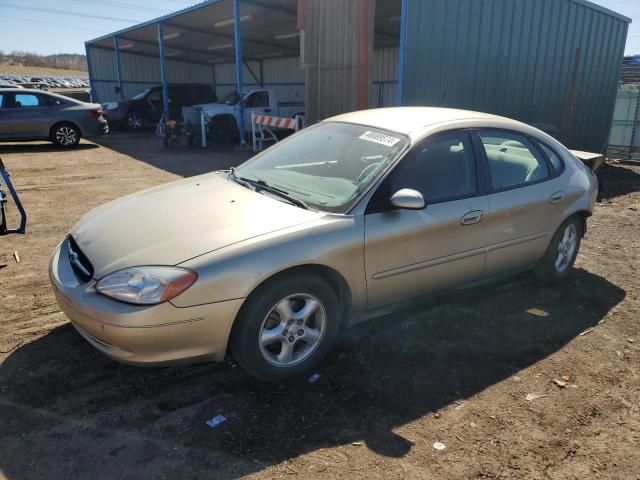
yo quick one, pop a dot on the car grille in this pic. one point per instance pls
(80, 263)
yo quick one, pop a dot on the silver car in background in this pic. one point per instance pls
(355, 216)
(28, 114)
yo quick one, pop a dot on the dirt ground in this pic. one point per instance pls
(456, 371)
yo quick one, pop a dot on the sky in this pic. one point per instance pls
(62, 26)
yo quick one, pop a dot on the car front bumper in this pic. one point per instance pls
(141, 335)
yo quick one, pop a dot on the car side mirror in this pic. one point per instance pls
(407, 199)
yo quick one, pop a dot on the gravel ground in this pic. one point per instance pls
(461, 370)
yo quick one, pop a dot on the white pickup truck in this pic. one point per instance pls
(223, 118)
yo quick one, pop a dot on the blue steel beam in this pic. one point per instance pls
(155, 57)
(401, 53)
(237, 32)
(163, 73)
(226, 36)
(268, 6)
(116, 47)
(185, 49)
(92, 94)
(253, 74)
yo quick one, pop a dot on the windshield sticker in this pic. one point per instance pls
(380, 138)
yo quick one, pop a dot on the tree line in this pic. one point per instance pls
(67, 61)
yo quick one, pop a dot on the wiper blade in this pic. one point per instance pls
(281, 193)
(262, 185)
(245, 182)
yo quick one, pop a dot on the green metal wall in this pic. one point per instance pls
(551, 63)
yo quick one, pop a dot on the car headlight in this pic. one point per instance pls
(146, 285)
(109, 106)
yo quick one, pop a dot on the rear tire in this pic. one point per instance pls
(65, 135)
(286, 327)
(562, 251)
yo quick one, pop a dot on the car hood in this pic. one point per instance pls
(175, 222)
(215, 108)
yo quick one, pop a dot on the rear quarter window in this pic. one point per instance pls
(51, 101)
(553, 157)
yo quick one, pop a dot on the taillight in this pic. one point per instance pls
(95, 113)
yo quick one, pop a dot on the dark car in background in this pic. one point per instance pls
(145, 108)
(28, 114)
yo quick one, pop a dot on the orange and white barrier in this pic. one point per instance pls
(261, 126)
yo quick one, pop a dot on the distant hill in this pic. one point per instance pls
(64, 61)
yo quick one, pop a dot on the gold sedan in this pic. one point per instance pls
(355, 216)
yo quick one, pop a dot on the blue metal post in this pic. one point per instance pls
(163, 74)
(92, 93)
(402, 53)
(116, 47)
(239, 83)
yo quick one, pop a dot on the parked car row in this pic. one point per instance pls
(42, 82)
(28, 114)
(146, 107)
(31, 114)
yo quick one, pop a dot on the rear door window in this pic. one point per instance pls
(2, 99)
(513, 160)
(28, 100)
(50, 101)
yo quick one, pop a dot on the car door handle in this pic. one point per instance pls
(471, 218)
(557, 197)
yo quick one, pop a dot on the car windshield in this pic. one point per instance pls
(230, 98)
(141, 95)
(326, 165)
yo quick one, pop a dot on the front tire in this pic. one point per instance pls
(562, 251)
(65, 135)
(134, 122)
(223, 130)
(286, 327)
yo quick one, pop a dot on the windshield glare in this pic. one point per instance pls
(141, 95)
(326, 165)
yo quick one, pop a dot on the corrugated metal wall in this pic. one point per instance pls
(138, 72)
(284, 75)
(385, 78)
(332, 55)
(554, 63)
(625, 127)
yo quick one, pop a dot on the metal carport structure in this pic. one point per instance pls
(188, 44)
(198, 45)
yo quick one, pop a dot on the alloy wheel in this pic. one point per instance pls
(134, 121)
(292, 330)
(566, 248)
(66, 136)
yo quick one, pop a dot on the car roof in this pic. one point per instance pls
(43, 92)
(23, 90)
(415, 122)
